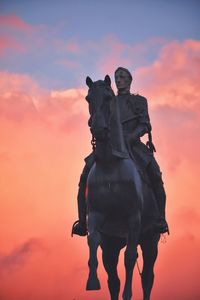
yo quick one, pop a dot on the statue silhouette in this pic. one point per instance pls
(122, 206)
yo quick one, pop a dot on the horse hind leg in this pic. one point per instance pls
(149, 246)
(93, 243)
(111, 247)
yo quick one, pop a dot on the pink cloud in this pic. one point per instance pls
(19, 35)
(15, 22)
(41, 159)
(22, 99)
(10, 42)
(71, 46)
(171, 85)
(173, 77)
(113, 53)
(69, 64)
(14, 82)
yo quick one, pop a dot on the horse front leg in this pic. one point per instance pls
(131, 256)
(93, 243)
(111, 247)
(149, 246)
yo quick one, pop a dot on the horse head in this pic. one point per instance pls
(99, 97)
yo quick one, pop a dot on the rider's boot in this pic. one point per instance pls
(80, 227)
(161, 225)
(155, 177)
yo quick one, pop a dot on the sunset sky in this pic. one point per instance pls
(47, 48)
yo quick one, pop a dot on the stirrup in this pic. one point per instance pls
(81, 230)
(162, 226)
(76, 222)
(163, 229)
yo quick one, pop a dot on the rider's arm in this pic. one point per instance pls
(143, 124)
(144, 120)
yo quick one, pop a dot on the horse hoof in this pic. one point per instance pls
(93, 284)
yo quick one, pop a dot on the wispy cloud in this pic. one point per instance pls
(19, 256)
(7, 43)
(15, 22)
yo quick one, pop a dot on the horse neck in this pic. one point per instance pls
(113, 147)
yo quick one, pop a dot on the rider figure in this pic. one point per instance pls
(135, 122)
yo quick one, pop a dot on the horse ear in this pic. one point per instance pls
(89, 81)
(107, 80)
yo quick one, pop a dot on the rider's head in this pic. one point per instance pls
(123, 79)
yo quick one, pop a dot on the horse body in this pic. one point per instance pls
(114, 191)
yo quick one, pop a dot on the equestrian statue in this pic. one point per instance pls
(121, 197)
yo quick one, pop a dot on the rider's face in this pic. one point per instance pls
(122, 80)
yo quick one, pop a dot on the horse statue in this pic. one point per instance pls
(119, 202)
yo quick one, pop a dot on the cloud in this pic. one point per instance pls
(43, 142)
(71, 46)
(105, 55)
(173, 78)
(171, 84)
(18, 37)
(114, 53)
(15, 22)
(181, 255)
(188, 215)
(7, 42)
(19, 256)
(69, 64)
(21, 98)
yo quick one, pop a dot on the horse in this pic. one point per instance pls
(115, 199)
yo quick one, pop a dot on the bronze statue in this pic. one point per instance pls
(126, 198)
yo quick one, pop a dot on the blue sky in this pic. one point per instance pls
(96, 27)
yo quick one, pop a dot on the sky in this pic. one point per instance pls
(47, 48)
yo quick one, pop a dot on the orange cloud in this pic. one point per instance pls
(22, 98)
(40, 160)
(173, 78)
(18, 256)
(171, 85)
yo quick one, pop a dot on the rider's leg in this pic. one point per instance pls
(80, 228)
(155, 176)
